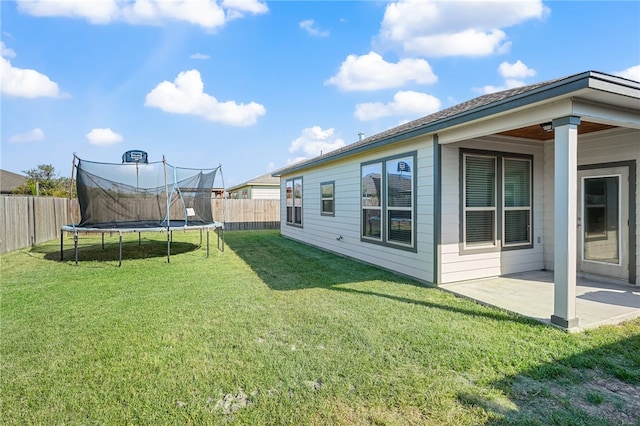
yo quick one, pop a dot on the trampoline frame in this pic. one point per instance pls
(166, 225)
(218, 228)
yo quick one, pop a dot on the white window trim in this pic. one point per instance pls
(582, 207)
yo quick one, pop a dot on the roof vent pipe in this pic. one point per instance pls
(360, 136)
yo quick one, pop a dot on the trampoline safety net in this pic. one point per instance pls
(143, 195)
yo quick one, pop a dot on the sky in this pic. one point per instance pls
(254, 86)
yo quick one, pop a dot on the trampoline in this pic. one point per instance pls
(139, 196)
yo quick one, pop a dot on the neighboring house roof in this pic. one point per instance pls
(10, 181)
(264, 180)
(477, 108)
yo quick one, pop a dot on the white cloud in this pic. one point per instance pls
(372, 72)
(313, 141)
(271, 166)
(199, 56)
(26, 83)
(296, 160)
(254, 7)
(632, 73)
(411, 103)
(515, 70)
(508, 84)
(308, 26)
(34, 135)
(512, 74)
(466, 43)
(205, 13)
(103, 137)
(468, 28)
(96, 12)
(5, 52)
(186, 96)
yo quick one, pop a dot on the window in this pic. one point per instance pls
(517, 201)
(480, 200)
(388, 205)
(497, 200)
(294, 201)
(371, 206)
(326, 198)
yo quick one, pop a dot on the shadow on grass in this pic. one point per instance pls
(284, 264)
(92, 250)
(598, 386)
(493, 314)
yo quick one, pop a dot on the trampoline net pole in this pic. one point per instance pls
(75, 246)
(69, 211)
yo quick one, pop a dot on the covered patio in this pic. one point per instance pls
(598, 302)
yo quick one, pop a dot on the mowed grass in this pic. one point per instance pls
(273, 332)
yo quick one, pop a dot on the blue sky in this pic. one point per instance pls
(257, 85)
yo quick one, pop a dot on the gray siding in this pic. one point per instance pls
(323, 231)
(457, 266)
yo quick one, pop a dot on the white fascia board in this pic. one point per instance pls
(507, 121)
(599, 113)
(620, 87)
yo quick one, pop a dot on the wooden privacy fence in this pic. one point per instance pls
(27, 220)
(247, 214)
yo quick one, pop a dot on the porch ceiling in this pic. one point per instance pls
(536, 132)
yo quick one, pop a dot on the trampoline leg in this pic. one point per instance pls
(222, 230)
(75, 246)
(139, 239)
(103, 241)
(201, 235)
(61, 246)
(120, 250)
(207, 241)
(169, 247)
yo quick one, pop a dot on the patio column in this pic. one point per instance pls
(565, 221)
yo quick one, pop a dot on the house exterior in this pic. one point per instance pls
(265, 187)
(9, 181)
(538, 177)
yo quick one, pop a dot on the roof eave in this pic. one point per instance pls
(555, 89)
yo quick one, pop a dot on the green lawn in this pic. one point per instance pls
(274, 332)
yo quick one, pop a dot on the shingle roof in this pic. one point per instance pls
(447, 116)
(266, 179)
(10, 181)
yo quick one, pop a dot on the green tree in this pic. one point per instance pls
(44, 181)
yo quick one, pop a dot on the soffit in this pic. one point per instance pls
(535, 132)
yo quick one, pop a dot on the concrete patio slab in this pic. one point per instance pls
(530, 294)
